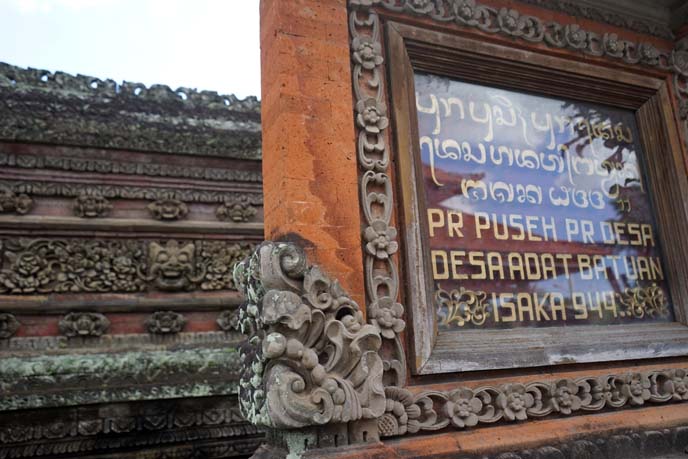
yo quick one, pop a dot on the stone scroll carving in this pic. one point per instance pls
(310, 359)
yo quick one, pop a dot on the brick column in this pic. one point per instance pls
(309, 159)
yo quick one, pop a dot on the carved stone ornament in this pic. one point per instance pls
(228, 320)
(82, 324)
(168, 209)
(12, 202)
(120, 166)
(91, 205)
(238, 210)
(8, 325)
(48, 107)
(310, 359)
(407, 412)
(165, 323)
(32, 266)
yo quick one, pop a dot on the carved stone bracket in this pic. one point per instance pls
(310, 359)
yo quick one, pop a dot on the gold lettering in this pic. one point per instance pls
(439, 258)
(435, 220)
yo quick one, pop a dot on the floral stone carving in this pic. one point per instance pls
(168, 209)
(91, 205)
(84, 324)
(8, 325)
(13, 202)
(237, 209)
(310, 358)
(228, 320)
(30, 266)
(165, 323)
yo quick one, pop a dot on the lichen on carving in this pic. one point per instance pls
(310, 358)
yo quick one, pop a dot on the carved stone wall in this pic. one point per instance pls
(123, 209)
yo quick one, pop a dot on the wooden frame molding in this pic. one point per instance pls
(411, 48)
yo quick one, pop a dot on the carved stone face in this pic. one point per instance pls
(171, 265)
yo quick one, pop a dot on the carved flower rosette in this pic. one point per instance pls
(310, 359)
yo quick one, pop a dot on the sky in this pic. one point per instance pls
(204, 44)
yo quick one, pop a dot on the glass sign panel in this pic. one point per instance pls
(537, 213)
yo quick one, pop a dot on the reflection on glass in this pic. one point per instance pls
(537, 213)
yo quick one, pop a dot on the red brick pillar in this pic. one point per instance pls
(309, 160)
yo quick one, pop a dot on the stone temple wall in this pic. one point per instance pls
(122, 211)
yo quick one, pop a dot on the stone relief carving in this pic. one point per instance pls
(91, 205)
(82, 324)
(679, 58)
(32, 266)
(168, 209)
(125, 192)
(237, 210)
(165, 323)
(46, 108)
(465, 407)
(310, 359)
(599, 14)
(106, 166)
(13, 202)
(172, 267)
(379, 238)
(8, 325)
(152, 423)
(228, 320)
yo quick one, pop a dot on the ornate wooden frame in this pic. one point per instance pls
(410, 48)
(642, 88)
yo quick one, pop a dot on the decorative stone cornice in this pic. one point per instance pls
(310, 358)
(44, 107)
(123, 167)
(68, 380)
(209, 427)
(601, 14)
